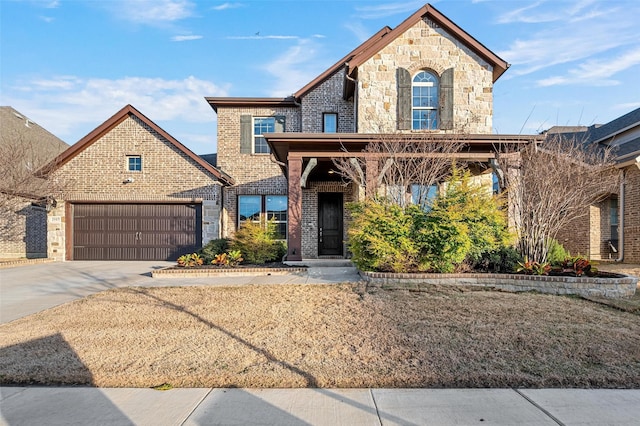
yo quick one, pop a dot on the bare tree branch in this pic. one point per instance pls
(402, 162)
(551, 185)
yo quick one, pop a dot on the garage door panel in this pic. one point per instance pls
(135, 231)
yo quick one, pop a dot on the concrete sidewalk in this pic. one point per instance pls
(96, 406)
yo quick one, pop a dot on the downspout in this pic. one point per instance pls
(355, 97)
(621, 220)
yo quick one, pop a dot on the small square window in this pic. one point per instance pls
(329, 122)
(134, 163)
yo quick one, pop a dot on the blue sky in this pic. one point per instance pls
(70, 65)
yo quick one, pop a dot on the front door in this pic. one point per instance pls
(330, 224)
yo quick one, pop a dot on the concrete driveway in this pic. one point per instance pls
(25, 290)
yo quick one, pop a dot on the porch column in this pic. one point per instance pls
(294, 246)
(371, 184)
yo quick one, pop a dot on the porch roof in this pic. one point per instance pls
(330, 145)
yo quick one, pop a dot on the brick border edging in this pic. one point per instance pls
(24, 262)
(624, 286)
(172, 272)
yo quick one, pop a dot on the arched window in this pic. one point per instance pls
(424, 101)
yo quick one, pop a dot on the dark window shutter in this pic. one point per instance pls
(280, 124)
(404, 99)
(246, 133)
(446, 100)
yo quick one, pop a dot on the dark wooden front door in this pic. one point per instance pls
(135, 231)
(330, 224)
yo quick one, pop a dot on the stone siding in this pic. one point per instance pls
(624, 286)
(425, 46)
(98, 173)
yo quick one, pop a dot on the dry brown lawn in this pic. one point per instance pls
(323, 336)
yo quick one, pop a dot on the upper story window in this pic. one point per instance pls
(134, 163)
(253, 129)
(329, 122)
(424, 101)
(262, 125)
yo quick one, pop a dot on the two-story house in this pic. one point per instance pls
(426, 76)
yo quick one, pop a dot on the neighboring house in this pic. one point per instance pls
(24, 148)
(133, 193)
(425, 77)
(611, 228)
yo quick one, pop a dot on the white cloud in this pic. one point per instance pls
(541, 12)
(596, 72)
(361, 32)
(226, 6)
(151, 12)
(294, 68)
(71, 107)
(580, 32)
(388, 9)
(47, 19)
(629, 106)
(265, 37)
(186, 37)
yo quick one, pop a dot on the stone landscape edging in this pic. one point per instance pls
(615, 287)
(173, 272)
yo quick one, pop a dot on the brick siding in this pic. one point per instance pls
(255, 174)
(327, 97)
(98, 173)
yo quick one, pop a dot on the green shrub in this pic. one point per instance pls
(257, 242)
(557, 253)
(213, 248)
(380, 237)
(461, 225)
(503, 260)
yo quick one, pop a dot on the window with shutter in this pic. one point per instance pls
(403, 78)
(446, 100)
(246, 132)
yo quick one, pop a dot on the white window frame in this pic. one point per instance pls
(128, 163)
(255, 136)
(434, 108)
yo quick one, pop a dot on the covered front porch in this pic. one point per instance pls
(318, 191)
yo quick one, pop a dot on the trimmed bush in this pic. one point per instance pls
(460, 226)
(257, 242)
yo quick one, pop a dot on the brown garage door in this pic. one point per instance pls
(136, 231)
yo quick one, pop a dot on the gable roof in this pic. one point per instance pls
(614, 127)
(16, 128)
(342, 62)
(115, 120)
(428, 11)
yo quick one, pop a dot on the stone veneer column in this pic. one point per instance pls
(294, 247)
